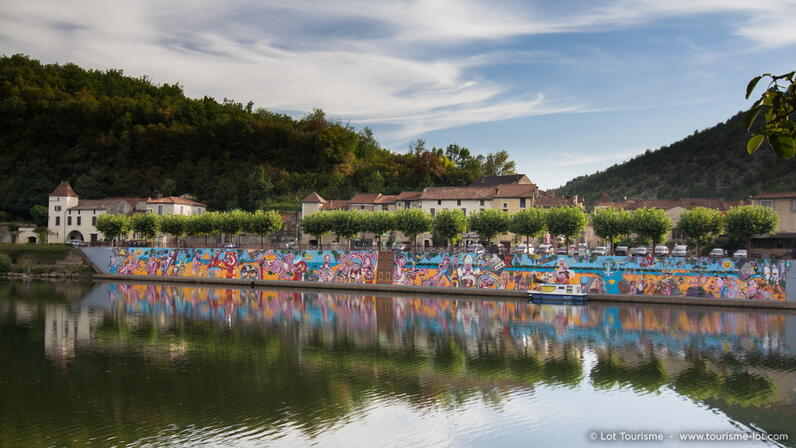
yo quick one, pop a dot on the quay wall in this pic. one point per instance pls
(707, 278)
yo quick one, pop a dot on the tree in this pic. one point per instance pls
(264, 223)
(450, 224)
(530, 223)
(39, 215)
(568, 222)
(651, 225)
(488, 224)
(113, 226)
(497, 164)
(317, 224)
(145, 224)
(233, 223)
(700, 225)
(379, 223)
(203, 225)
(347, 224)
(611, 224)
(411, 222)
(174, 225)
(777, 104)
(743, 222)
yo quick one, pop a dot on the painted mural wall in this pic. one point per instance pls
(668, 276)
(250, 264)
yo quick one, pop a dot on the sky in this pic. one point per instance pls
(566, 87)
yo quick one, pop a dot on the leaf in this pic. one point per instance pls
(784, 145)
(754, 143)
(752, 84)
(751, 116)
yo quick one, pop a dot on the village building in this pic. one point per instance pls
(783, 240)
(70, 218)
(507, 193)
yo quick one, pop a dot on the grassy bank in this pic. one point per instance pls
(40, 259)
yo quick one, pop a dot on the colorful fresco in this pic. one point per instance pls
(312, 266)
(669, 276)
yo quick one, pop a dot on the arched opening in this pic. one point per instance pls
(75, 235)
(32, 239)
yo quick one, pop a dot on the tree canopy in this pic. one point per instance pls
(115, 135)
(488, 224)
(450, 224)
(700, 225)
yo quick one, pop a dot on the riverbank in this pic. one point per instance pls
(492, 294)
(43, 261)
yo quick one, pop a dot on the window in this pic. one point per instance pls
(522, 202)
(384, 207)
(482, 202)
(505, 205)
(433, 212)
(464, 210)
(439, 201)
(362, 207)
(57, 208)
(793, 205)
(160, 209)
(78, 220)
(94, 221)
(57, 220)
(69, 220)
(406, 204)
(458, 202)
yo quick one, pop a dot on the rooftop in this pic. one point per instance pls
(365, 198)
(457, 193)
(779, 195)
(175, 200)
(105, 203)
(64, 189)
(313, 198)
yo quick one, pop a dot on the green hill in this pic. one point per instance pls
(708, 163)
(114, 135)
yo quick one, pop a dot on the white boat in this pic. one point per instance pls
(553, 292)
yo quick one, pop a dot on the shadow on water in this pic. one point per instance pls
(139, 363)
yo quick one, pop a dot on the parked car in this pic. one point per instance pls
(400, 246)
(76, 243)
(545, 249)
(620, 250)
(638, 251)
(680, 250)
(740, 253)
(494, 248)
(661, 251)
(230, 246)
(522, 249)
(717, 252)
(600, 250)
(562, 251)
(476, 248)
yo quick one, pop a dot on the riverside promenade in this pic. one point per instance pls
(671, 280)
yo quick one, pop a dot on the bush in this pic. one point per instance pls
(35, 253)
(5, 263)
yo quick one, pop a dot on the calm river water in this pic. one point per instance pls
(115, 364)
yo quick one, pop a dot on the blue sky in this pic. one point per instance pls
(567, 87)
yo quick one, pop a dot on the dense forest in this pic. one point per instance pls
(115, 135)
(708, 163)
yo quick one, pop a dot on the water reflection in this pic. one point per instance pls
(156, 363)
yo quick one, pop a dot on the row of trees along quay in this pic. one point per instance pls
(699, 226)
(149, 226)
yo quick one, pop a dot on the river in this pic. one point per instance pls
(136, 364)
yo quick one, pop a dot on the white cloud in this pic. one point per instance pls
(378, 62)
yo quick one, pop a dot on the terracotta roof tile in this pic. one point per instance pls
(458, 193)
(364, 198)
(313, 198)
(64, 189)
(175, 200)
(493, 181)
(515, 191)
(334, 204)
(387, 199)
(780, 195)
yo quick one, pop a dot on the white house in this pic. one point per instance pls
(72, 218)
